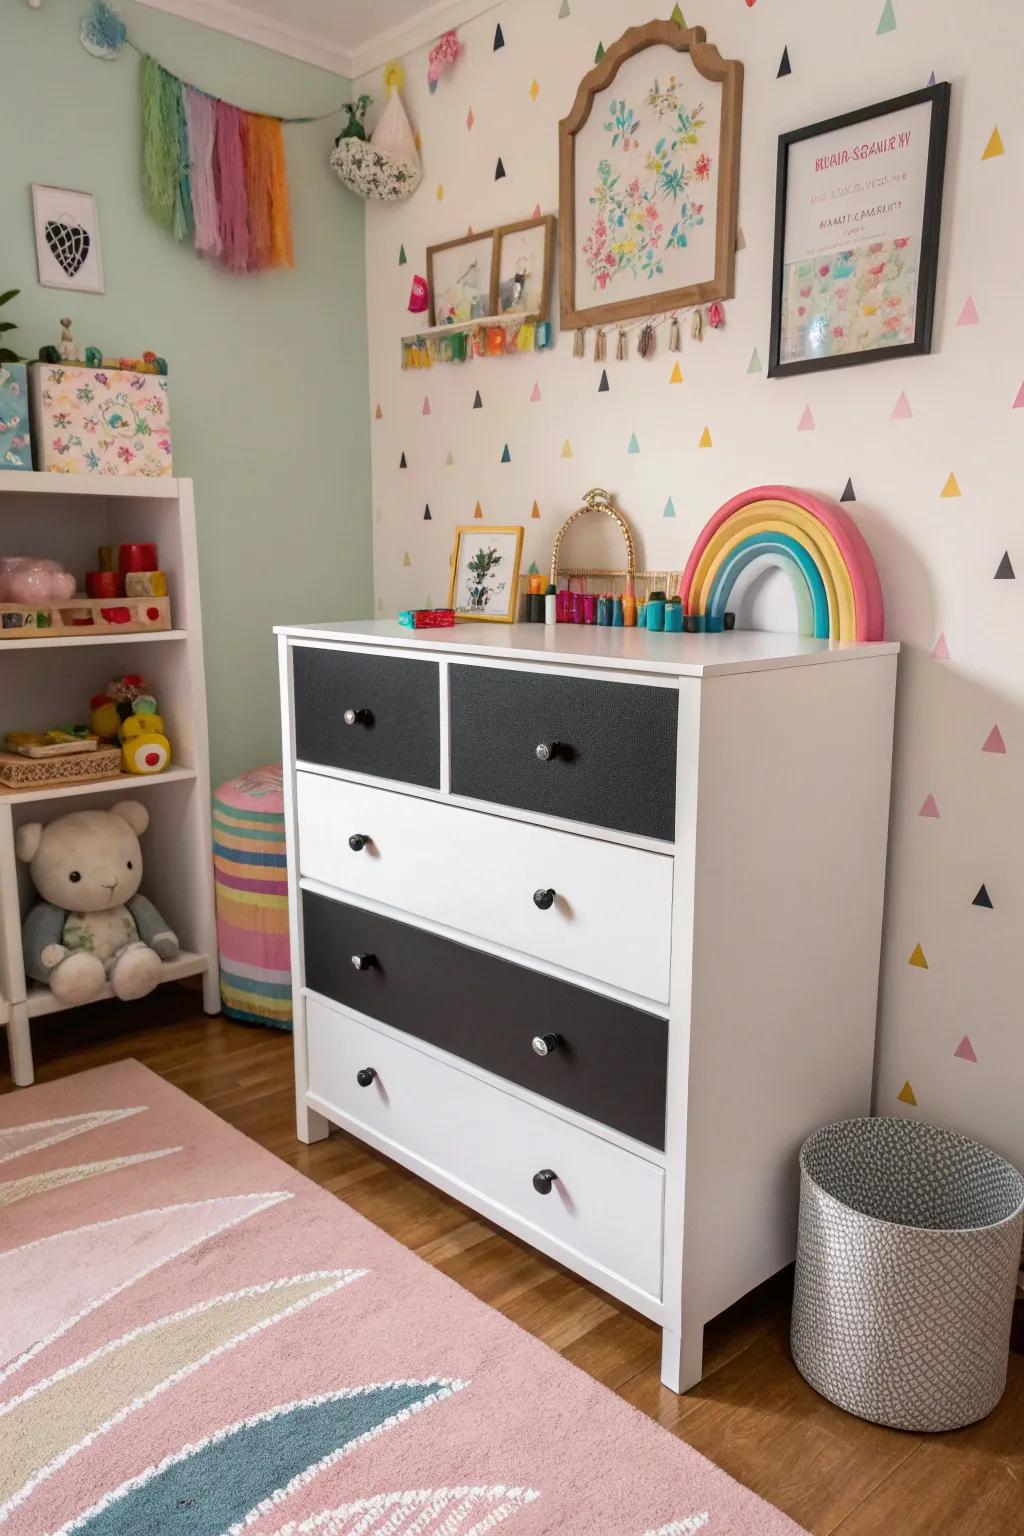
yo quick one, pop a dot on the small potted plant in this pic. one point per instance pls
(15, 438)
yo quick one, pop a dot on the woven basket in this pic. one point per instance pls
(907, 1258)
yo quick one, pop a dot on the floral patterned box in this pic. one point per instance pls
(100, 421)
(15, 438)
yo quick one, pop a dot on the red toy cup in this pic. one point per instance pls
(104, 583)
(137, 557)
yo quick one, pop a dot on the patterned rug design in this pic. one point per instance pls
(197, 1341)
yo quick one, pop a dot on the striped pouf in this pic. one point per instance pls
(250, 873)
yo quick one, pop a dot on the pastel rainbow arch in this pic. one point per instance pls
(816, 543)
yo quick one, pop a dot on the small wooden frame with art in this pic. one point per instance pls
(523, 266)
(649, 178)
(484, 582)
(462, 277)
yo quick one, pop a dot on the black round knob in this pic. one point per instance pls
(544, 899)
(365, 1076)
(543, 1180)
(544, 751)
(358, 841)
(364, 962)
(357, 717)
(545, 1044)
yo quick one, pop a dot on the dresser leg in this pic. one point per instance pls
(309, 1125)
(682, 1357)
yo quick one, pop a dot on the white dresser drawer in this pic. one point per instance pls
(605, 1206)
(610, 917)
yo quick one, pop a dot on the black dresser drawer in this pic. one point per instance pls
(394, 702)
(609, 1061)
(603, 753)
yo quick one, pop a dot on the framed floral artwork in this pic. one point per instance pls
(649, 178)
(857, 213)
(461, 277)
(484, 581)
(524, 267)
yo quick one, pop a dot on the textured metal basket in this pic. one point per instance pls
(910, 1241)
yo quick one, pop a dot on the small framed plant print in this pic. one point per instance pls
(485, 573)
(857, 215)
(461, 276)
(524, 267)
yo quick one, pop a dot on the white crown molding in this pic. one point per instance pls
(278, 36)
(297, 42)
(395, 42)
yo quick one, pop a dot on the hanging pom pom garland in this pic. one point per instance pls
(103, 32)
(441, 57)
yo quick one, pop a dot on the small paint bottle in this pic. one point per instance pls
(577, 607)
(714, 624)
(551, 605)
(691, 623)
(656, 610)
(730, 621)
(641, 613)
(564, 606)
(618, 617)
(674, 616)
(589, 608)
(604, 617)
(629, 611)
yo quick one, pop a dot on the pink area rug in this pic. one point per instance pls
(195, 1340)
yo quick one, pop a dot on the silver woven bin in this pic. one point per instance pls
(909, 1246)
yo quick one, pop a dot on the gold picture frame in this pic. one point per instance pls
(474, 579)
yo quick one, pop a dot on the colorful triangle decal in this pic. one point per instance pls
(506, 457)
(917, 958)
(426, 405)
(449, 459)
(534, 90)
(402, 258)
(969, 314)
(906, 1095)
(901, 410)
(929, 808)
(535, 393)
(940, 650)
(676, 376)
(849, 494)
(705, 439)
(741, 240)
(754, 366)
(670, 508)
(634, 446)
(951, 487)
(499, 170)
(535, 510)
(602, 388)
(403, 463)
(378, 413)
(478, 511)
(536, 211)
(931, 78)
(887, 21)
(1004, 570)
(567, 449)
(983, 899)
(405, 559)
(994, 146)
(994, 741)
(477, 402)
(1018, 399)
(470, 120)
(439, 192)
(678, 17)
(599, 55)
(806, 422)
(563, 10)
(785, 67)
(499, 38)
(965, 1050)
(426, 514)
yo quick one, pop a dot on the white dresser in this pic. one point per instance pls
(585, 930)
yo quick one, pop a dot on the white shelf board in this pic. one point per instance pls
(43, 642)
(132, 781)
(453, 327)
(31, 482)
(41, 999)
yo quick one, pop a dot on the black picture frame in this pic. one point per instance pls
(939, 96)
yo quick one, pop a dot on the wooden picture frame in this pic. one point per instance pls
(506, 240)
(438, 270)
(712, 271)
(828, 293)
(510, 544)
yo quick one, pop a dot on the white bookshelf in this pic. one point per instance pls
(67, 517)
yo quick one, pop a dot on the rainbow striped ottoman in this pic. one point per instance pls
(250, 875)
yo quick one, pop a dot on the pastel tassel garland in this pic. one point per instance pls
(620, 346)
(282, 251)
(673, 334)
(161, 144)
(258, 163)
(229, 179)
(578, 343)
(200, 117)
(600, 345)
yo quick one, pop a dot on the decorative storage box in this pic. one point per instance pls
(81, 615)
(100, 421)
(15, 437)
(17, 772)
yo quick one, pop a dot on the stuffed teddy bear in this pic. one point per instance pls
(91, 926)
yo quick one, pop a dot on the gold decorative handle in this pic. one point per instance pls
(598, 501)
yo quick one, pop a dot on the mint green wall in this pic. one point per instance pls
(267, 372)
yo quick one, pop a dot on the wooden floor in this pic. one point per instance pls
(752, 1414)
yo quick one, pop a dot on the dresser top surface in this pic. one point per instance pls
(636, 650)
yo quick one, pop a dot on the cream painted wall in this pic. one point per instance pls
(267, 371)
(937, 556)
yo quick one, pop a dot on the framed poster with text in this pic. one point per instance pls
(857, 214)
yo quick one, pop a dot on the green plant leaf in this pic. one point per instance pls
(7, 325)
(7, 356)
(12, 293)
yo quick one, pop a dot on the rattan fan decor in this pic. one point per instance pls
(624, 578)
